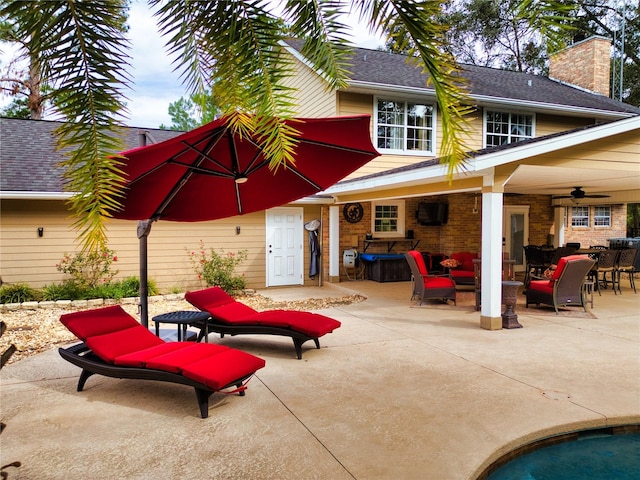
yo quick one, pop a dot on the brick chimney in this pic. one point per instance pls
(585, 64)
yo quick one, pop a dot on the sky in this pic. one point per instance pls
(155, 83)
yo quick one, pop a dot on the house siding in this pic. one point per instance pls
(350, 103)
(311, 93)
(27, 258)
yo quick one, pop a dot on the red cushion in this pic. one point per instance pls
(417, 256)
(112, 345)
(544, 286)
(100, 321)
(208, 298)
(141, 357)
(176, 361)
(439, 282)
(220, 370)
(236, 312)
(312, 324)
(465, 259)
(315, 325)
(561, 263)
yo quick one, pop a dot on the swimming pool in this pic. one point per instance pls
(605, 454)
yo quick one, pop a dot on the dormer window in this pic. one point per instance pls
(404, 127)
(502, 128)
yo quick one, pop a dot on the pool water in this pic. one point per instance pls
(597, 457)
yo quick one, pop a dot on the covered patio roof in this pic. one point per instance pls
(602, 158)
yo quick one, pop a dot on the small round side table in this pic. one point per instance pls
(181, 319)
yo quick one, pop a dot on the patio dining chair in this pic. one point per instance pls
(626, 264)
(535, 262)
(562, 252)
(606, 264)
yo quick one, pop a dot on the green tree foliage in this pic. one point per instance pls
(189, 113)
(520, 35)
(606, 18)
(511, 34)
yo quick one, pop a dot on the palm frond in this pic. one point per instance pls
(83, 57)
(419, 22)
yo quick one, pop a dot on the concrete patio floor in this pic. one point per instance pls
(395, 393)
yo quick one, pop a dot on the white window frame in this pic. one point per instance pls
(573, 216)
(400, 225)
(606, 218)
(404, 150)
(485, 132)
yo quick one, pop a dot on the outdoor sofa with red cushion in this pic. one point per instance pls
(116, 345)
(228, 316)
(463, 273)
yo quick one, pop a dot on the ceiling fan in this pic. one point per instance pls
(578, 194)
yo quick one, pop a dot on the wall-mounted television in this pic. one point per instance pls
(432, 214)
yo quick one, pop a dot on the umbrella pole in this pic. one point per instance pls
(144, 227)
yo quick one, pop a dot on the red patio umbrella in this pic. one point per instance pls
(211, 173)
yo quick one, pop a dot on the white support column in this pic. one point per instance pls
(558, 221)
(334, 244)
(491, 293)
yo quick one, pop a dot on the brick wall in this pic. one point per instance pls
(586, 64)
(591, 235)
(463, 231)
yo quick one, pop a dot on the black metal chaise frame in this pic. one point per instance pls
(213, 326)
(81, 356)
(227, 316)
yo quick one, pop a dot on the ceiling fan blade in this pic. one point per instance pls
(561, 196)
(597, 196)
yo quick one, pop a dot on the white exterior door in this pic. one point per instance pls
(285, 236)
(516, 233)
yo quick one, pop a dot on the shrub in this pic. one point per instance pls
(129, 287)
(89, 269)
(69, 290)
(216, 269)
(17, 293)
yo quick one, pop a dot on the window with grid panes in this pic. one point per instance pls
(579, 216)
(504, 127)
(404, 126)
(388, 218)
(601, 216)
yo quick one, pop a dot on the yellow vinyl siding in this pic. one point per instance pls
(548, 124)
(312, 97)
(25, 257)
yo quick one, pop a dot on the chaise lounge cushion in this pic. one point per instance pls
(101, 321)
(116, 345)
(140, 358)
(309, 323)
(233, 317)
(220, 370)
(112, 345)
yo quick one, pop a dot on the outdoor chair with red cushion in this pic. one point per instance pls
(565, 287)
(116, 345)
(429, 286)
(228, 316)
(463, 273)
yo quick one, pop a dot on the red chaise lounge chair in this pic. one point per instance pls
(116, 345)
(229, 316)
